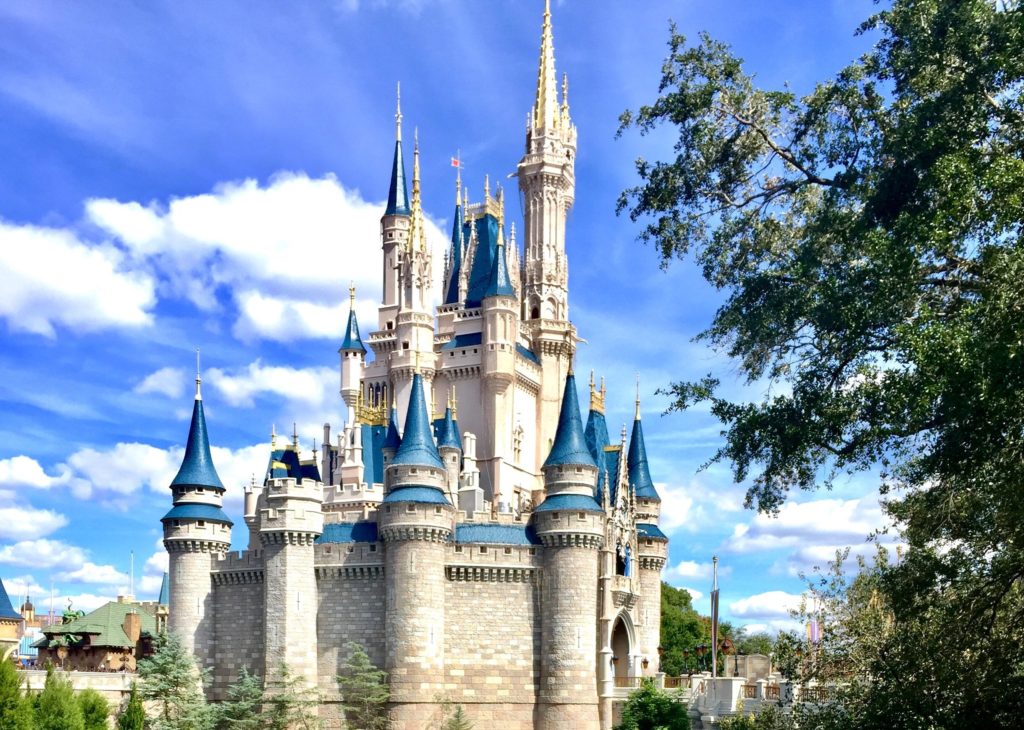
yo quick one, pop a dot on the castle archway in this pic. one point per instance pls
(622, 647)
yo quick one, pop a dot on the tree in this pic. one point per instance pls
(364, 691)
(290, 703)
(648, 708)
(458, 720)
(56, 708)
(171, 681)
(756, 643)
(10, 694)
(133, 716)
(242, 710)
(868, 239)
(95, 709)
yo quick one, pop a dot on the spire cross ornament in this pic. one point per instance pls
(398, 111)
(199, 380)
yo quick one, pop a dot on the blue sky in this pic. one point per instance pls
(180, 175)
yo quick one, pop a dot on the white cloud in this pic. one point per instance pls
(312, 386)
(126, 468)
(24, 471)
(286, 251)
(92, 573)
(20, 523)
(165, 381)
(695, 595)
(43, 554)
(25, 585)
(51, 278)
(822, 521)
(87, 602)
(692, 505)
(768, 605)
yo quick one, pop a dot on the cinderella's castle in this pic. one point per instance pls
(463, 525)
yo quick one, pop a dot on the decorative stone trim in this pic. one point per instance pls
(237, 577)
(651, 563)
(349, 572)
(194, 545)
(490, 573)
(288, 538)
(459, 372)
(572, 539)
(428, 533)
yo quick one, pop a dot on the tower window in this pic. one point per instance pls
(410, 508)
(458, 548)
(201, 523)
(405, 345)
(373, 548)
(483, 548)
(508, 551)
(437, 510)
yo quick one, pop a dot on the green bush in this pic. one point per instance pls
(648, 708)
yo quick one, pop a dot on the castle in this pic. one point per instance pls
(464, 526)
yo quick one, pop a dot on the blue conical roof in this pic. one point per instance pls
(417, 447)
(636, 465)
(451, 291)
(165, 592)
(596, 435)
(392, 440)
(570, 446)
(352, 341)
(448, 434)
(197, 468)
(499, 285)
(6, 609)
(398, 193)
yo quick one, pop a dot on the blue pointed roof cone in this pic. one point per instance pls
(596, 435)
(165, 592)
(451, 295)
(570, 446)
(352, 341)
(499, 284)
(398, 192)
(448, 435)
(417, 447)
(392, 440)
(197, 468)
(6, 609)
(636, 464)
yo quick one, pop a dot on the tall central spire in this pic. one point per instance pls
(398, 193)
(545, 105)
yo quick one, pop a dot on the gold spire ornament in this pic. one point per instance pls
(398, 111)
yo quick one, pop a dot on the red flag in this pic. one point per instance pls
(456, 162)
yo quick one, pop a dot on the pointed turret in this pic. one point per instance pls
(417, 447)
(448, 435)
(545, 104)
(352, 342)
(197, 468)
(398, 193)
(639, 473)
(570, 445)
(499, 284)
(392, 440)
(451, 289)
(7, 612)
(165, 592)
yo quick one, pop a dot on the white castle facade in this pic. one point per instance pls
(463, 525)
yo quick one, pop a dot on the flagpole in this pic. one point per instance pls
(714, 619)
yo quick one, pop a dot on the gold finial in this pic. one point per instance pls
(501, 206)
(565, 92)
(199, 380)
(416, 361)
(416, 231)
(596, 396)
(273, 436)
(352, 295)
(591, 381)
(546, 102)
(295, 436)
(638, 396)
(455, 402)
(487, 189)
(398, 111)
(465, 203)
(458, 177)
(314, 448)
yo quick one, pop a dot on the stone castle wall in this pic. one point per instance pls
(238, 621)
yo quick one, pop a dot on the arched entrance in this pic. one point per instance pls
(621, 649)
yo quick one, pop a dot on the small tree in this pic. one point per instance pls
(56, 706)
(648, 708)
(291, 703)
(95, 709)
(242, 710)
(364, 691)
(133, 716)
(171, 680)
(10, 694)
(458, 720)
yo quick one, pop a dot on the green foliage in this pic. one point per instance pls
(682, 629)
(25, 715)
(10, 694)
(171, 681)
(95, 709)
(56, 708)
(242, 710)
(133, 716)
(458, 720)
(648, 708)
(289, 703)
(768, 718)
(756, 643)
(868, 237)
(364, 691)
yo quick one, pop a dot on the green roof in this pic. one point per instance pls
(105, 625)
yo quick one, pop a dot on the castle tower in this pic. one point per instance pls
(290, 520)
(454, 288)
(415, 520)
(394, 229)
(500, 333)
(570, 524)
(390, 446)
(195, 530)
(652, 544)
(414, 325)
(353, 356)
(548, 183)
(449, 446)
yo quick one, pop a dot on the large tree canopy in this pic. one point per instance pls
(867, 238)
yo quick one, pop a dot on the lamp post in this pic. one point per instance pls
(661, 656)
(728, 648)
(701, 650)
